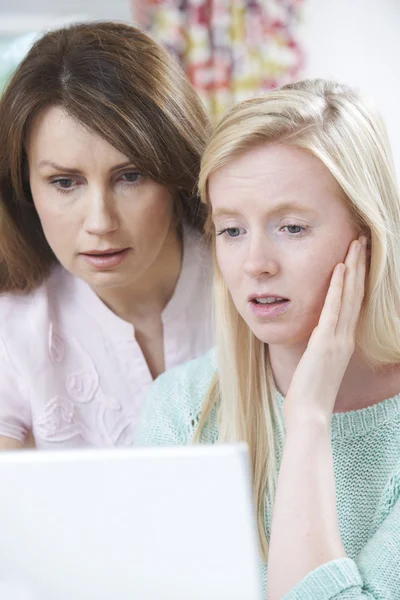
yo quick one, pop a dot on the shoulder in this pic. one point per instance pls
(57, 283)
(17, 309)
(191, 379)
(175, 401)
(27, 317)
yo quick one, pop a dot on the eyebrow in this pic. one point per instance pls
(286, 206)
(226, 212)
(50, 163)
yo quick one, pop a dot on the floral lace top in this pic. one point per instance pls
(72, 372)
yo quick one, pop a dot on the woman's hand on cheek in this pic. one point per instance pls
(316, 381)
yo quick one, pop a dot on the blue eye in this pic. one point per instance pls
(231, 232)
(294, 229)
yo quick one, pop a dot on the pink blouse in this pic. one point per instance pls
(72, 372)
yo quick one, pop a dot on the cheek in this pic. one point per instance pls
(54, 210)
(51, 217)
(39, 201)
(228, 263)
(312, 277)
(59, 224)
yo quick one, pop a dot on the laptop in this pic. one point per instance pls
(172, 523)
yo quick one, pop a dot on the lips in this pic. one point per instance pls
(268, 306)
(105, 259)
(103, 252)
(267, 298)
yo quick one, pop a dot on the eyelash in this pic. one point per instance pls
(226, 229)
(61, 190)
(303, 229)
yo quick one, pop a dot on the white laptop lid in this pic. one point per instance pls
(171, 523)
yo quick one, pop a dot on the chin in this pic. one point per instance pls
(107, 279)
(278, 335)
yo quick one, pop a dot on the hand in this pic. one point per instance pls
(319, 374)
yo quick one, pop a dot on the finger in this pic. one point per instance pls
(349, 286)
(331, 309)
(361, 282)
(353, 288)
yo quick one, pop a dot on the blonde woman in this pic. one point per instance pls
(305, 221)
(104, 275)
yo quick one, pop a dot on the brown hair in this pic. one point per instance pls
(120, 84)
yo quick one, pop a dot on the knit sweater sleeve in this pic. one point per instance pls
(160, 423)
(173, 406)
(375, 574)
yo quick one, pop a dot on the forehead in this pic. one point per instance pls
(55, 132)
(273, 173)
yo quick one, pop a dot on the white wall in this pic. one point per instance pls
(354, 41)
(358, 42)
(96, 9)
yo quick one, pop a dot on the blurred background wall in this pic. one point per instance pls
(355, 41)
(358, 42)
(97, 9)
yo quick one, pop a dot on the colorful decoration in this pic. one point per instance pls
(230, 49)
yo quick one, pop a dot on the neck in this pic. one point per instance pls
(149, 294)
(363, 384)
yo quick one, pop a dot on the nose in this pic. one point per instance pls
(101, 215)
(261, 258)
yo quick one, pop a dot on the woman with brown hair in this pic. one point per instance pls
(104, 276)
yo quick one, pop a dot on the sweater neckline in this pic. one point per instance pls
(360, 422)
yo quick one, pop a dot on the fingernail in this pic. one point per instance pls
(363, 240)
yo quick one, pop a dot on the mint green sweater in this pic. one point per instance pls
(366, 450)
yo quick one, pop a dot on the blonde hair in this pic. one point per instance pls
(340, 128)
